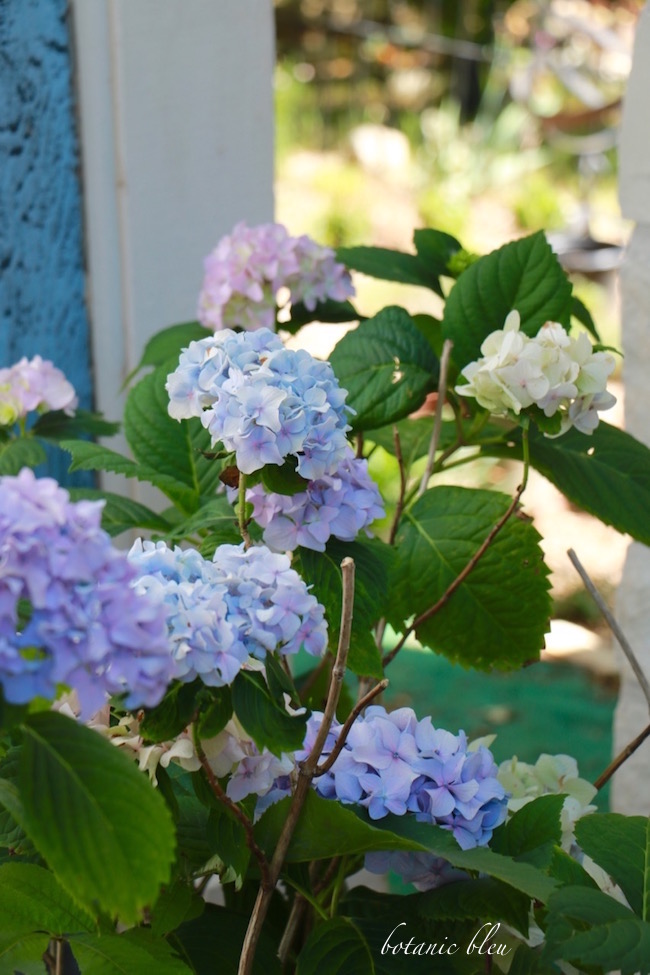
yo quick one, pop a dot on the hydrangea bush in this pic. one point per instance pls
(204, 711)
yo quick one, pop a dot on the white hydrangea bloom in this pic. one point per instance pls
(551, 370)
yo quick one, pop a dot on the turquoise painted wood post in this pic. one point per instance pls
(42, 302)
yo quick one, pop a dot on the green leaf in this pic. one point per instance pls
(216, 711)
(499, 614)
(322, 571)
(227, 840)
(524, 275)
(121, 514)
(482, 899)
(174, 712)
(167, 344)
(175, 905)
(569, 872)
(264, 716)
(387, 366)
(217, 517)
(533, 831)
(22, 954)
(131, 953)
(621, 846)
(31, 899)
(102, 828)
(283, 479)
(527, 961)
(212, 944)
(325, 311)
(588, 927)
(337, 945)
(327, 828)
(57, 425)
(435, 248)
(92, 457)
(580, 312)
(606, 474)
(390, 265)
(16, 454)
(173, 449)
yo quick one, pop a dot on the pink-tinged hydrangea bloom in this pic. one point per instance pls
(393, 763)
(84, 627)
(34, 384)
(262, 401)
(247, 269)
(338, 505)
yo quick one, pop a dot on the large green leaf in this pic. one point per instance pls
(16, 454)
(322, 571)
(606, 474)
(325, 311)
(57, 425)
(174, 449)
(435, 249)
(168, 343)
(121, 514)
(621, 846)
(132, 953)
(533, 831)
(481, 899)
(588, 927)
(103, 829)
(31, 899)
(22, 953)
(498, 616)
(212, 944)
(391, 265)
(327, 828)
(228, 842)
(337, 945)
(264, 716)
(524, 275)
(173, 714)
(93, 457)
(387, 366)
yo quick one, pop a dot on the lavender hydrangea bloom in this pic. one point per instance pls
(393, 763)
(84, 625)
(341, 505)
(268, 603)
(262, 401)
(248, 267)
(204, 642)
(34, 384)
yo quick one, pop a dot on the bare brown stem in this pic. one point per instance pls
(345, 730)
(306, 771)
(623, 757)
(613, 625)
(238, 813)
(437, 422)
(296, 916)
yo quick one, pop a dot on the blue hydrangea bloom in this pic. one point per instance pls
(262, 401)
(68, 613)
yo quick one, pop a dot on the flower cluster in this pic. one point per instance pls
(245, 603)
(393, 763)
(262, 401)
(33, 384)
(551, 371)
(341, 505)
(68, 613)
(247, 269)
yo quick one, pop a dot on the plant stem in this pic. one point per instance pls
(306, 771)
(480, 552)
(241, 511)
(437, 422)
(623, 757)
(399, 507)
(238, 813)
(345, 730)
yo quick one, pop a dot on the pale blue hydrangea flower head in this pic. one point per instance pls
(68, 613)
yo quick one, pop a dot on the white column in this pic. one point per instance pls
(631, 784)
(176, 118)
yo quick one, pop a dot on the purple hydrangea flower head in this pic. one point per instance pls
(68, 612)
(262, 401)
(248, 267)
(34, 384)
(204, 642)
(268, 604)
(393, 763)
(338, 505)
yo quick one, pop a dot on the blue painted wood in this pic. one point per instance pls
(42, 304)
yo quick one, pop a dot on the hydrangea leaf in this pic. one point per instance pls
(57, 425)
(16, 454)
(387, 366)
(606, 474)
(337, 945)
(524, 275)
(173, 714)
(213, 942)
(103, 829)
(480, 899)
(533, 831)
(499, 614)
(392, 265)
(31, 899)
(325, 311)
(589, 927)
(172, 448)
(228, 843)
(322, 571)
(621, 846)
(167, 344)
(21, 952)
(264, 716)
(132, 953)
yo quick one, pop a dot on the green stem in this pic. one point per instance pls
(241, 511)
(525, 444)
